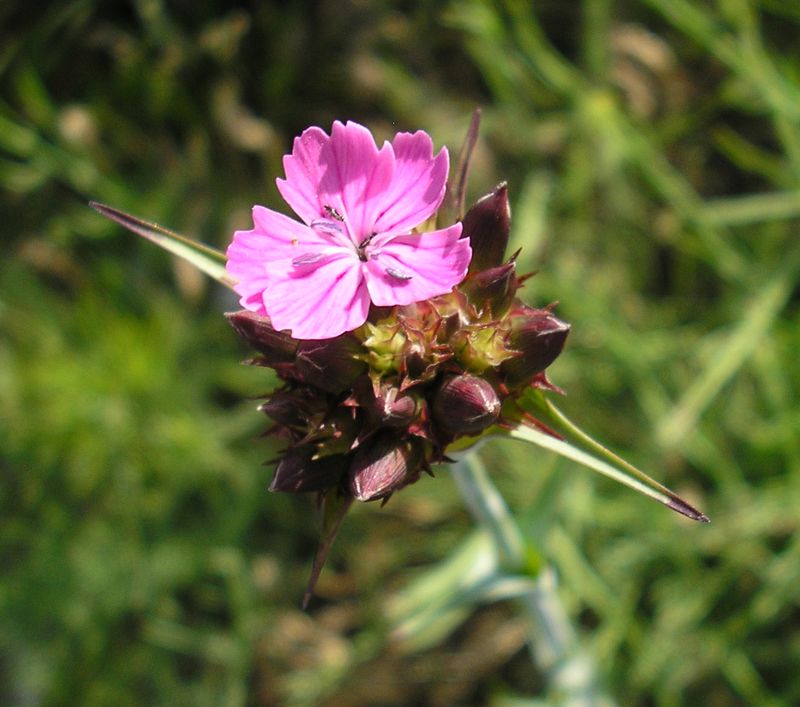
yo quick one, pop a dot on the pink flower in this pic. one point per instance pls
(356, 244)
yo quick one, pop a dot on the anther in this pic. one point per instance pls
(398, 274)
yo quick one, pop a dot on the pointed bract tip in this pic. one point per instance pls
(676, 503)
(307, 599)
(106, 210)
(127, 220)
(114, 214)
(334, 508)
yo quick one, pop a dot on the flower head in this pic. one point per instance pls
(373, 396)
(366, 412)
(356, 244)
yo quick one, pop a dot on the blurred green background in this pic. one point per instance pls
(652, 151)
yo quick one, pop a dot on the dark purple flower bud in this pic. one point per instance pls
(487, 224)
(297, 472)
(465, 405)
(493, 288)
(258, 332)
(393, 408)
(330, 364)
(284, 408)
(384, 465)
(297, 406)
(539, 337)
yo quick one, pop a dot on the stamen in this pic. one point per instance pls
(398, 274)
(331, 228)
(307, 259)
(361, 249)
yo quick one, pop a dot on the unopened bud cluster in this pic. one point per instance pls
(367, 412)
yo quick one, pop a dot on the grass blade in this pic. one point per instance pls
(756, 319)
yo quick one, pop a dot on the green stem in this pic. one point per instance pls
(570, 672)
(490, 511)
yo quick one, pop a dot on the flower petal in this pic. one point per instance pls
(415, 267)
(320, 303)
(304, 170)
(273, 236)
(251, 281)
(356, 178)
(417, 187)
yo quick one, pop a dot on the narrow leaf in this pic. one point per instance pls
(583, 449)
(205, 258)
(334, 508)
(452, 208)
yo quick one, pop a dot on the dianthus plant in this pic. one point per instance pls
(398, 337)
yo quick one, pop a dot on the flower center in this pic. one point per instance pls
(362, 248)
(334, 228)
